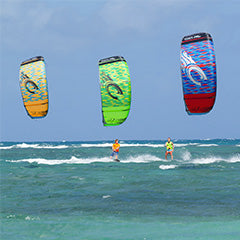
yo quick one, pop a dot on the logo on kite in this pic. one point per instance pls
(29, 84)
(189, 66)
(109, 83)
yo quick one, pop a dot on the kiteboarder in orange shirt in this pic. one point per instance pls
(115, 148)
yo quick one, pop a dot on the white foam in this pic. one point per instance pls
(208, 145)
(106, 196)
(234, 159)
(74, 160)
(78, 178)
(88, 145)
(25, 145)
(205, 160)
(103, 145)
(180, 144)
(54, 147)
(165, 167)
(7, 147)
(209, 160)
(29, 218)
(238, 145)
(186, 156)
(131, 159)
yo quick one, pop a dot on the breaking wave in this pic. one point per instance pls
(39, 146)
(100, 145)
(131, 159)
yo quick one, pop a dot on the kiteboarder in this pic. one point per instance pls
(115, 148)
(170, 148)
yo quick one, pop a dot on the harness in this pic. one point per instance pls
(169, 145)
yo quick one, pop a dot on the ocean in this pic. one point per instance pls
(72, 190)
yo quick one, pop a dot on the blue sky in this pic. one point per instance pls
(73, 35)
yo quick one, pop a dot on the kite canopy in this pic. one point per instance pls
(115, 90)
(198, 71)
(33, 85)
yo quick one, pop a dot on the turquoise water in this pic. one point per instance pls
(72, 190)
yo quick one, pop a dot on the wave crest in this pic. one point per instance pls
(75, 160)
(39, 146)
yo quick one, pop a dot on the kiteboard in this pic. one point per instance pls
(116, 160)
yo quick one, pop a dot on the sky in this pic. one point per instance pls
(73, 35)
